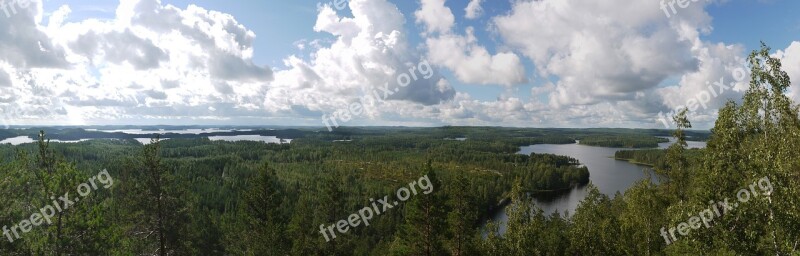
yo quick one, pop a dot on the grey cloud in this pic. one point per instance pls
(104, 102)
(156, 94)
(24, 45)
(424, 91)
(120, 47)
(222, 65)
(5, 80)
(170, 84)
(223, 87)
(226, 66)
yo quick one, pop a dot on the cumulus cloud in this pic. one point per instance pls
(612, 63)
(790, 58)
(150, 61)
(474, 9)
(471, 62)
(603, 51)
(435, 16)
(5, 79)
(369, 54)
(118, 48)
(24, 45)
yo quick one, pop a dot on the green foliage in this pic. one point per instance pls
(628, 141)
(461, 218)
(192, 196)
(424, 228)
(264, 224)
(751, 141)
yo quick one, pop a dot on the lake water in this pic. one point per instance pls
(25, 139)
(144, 141)
(266, 139)
(606, 173)
(162, 131)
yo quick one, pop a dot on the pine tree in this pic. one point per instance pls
(330, 211)
(424, 226)
(165, 210)
(266, 224)
(462, 217)
(301, 228)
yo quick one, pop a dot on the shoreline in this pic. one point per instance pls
(632, 161)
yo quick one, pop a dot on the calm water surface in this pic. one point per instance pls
(266, 139)
(607, 174)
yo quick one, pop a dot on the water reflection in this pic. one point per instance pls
(266, 139)
(606, 173)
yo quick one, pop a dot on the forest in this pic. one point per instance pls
(192, 196)
(196, 196)
(623, 142)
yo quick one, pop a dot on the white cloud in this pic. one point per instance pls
(471, 62)
(621, 54)
(474, 9)
(370, 53)
(790, 58)
(435, 16)
(612, 63)
(151, 61)
(603, 51)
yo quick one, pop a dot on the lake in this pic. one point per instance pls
(163, 131)
(606, 173)
(25, 139)
(266, 139)
(144, 141)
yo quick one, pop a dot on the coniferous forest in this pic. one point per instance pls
(185, 195)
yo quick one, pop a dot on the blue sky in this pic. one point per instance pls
(566, 63)
(744, 22)
(737, 21)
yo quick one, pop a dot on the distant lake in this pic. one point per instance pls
(147, 135)
(690, 144)
(25, 139)
(146, 141)
(266, 139)
(162, 131)
(606, 173)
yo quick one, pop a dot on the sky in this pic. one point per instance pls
(517, 63)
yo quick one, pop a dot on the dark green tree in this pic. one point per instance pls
(677, 172)
(462, 217)
(265, 224)
(424, 227)
(595, 229)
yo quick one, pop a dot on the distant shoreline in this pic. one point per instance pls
(634, 162)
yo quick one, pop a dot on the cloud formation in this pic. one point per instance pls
(589, 63)
(471, 62)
